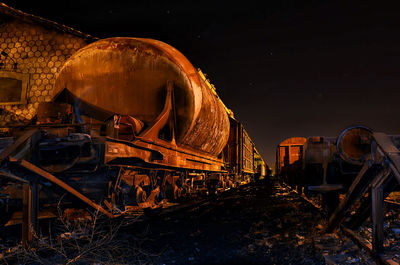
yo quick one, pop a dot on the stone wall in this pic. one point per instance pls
(39, 52)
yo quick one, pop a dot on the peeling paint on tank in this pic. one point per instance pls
(128, 76)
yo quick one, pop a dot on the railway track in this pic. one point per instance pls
(134, 216)
(172, 208)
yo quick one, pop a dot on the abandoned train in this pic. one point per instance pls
(131, 122)
(325, 165)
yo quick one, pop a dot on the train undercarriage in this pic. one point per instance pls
(42, 173)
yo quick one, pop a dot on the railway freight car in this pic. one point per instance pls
(132, 122)
(243, 162)
(332, 163)
(324, 161)
(326, 165)
(240, 154)
(289, 160)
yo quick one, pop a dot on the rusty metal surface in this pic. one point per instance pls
(134, 123)
(375, 181)
(247, 153)
(151, 147)
(354, 144)
(128, 76)
(63, 185)
(319, 150)
(289, 152)
(49, 112)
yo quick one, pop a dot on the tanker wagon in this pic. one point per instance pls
(131, 122)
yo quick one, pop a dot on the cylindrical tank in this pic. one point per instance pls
(129, 76)
(354, 144)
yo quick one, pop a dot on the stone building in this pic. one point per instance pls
(32, 51)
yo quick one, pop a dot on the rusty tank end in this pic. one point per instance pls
(129, 76)
(354, 144)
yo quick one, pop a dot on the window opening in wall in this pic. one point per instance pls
(13, 88)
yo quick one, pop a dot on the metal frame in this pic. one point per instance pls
(375, 180)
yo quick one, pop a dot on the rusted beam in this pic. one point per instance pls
(356, 191)
(63, 185)
(361, 214)
(364, 210)
(379, 191)
(12, 176)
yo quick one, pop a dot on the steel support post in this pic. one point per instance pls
(29, 212)
(26, 214)
(377, 219)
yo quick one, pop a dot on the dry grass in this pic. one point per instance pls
(91, 239)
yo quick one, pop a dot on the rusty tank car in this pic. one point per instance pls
(154, 97)
(131, 123)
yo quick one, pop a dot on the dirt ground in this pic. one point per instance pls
(262, 223)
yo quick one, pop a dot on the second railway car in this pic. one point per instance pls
(239, 153)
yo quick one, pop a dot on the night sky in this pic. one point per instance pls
(286, 68)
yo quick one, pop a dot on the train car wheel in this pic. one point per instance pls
(140, 195)
(177, 192)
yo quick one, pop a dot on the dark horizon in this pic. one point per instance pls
(287, 69)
